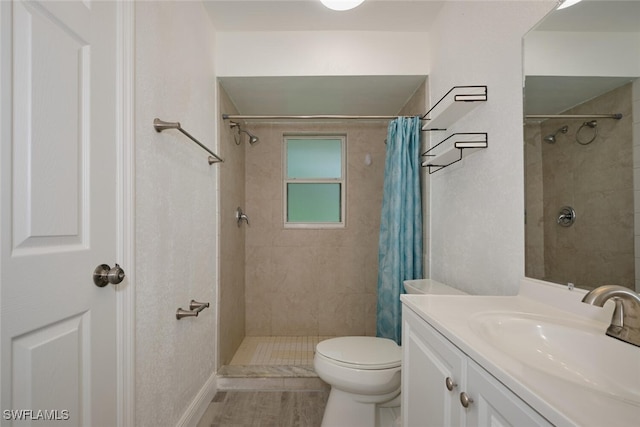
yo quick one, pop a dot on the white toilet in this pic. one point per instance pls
(364, 375)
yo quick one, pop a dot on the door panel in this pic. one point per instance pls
(48, 357)
(58, 178)
(52, 63)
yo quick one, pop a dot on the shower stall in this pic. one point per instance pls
(281, 290)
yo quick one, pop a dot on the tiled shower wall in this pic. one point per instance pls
(597, 181)
(313, 281)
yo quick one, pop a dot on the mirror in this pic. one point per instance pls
(582, 64)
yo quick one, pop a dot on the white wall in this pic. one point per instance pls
(321, 53)
(477, 205)
(176, 211)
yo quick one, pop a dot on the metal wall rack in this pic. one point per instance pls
(457, 102)
(453, 149)
(453, 105)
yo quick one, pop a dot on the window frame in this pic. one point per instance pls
(342, 181)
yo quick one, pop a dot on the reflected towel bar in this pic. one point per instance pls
(160, 125)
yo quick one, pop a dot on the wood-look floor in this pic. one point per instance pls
(266, 409)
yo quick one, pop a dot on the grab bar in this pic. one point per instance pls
(195, 308)
(160, 125)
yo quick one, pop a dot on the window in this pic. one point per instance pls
(314, 181)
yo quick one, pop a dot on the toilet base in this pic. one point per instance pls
(343, 410)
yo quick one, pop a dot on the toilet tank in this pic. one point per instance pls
(430, 286)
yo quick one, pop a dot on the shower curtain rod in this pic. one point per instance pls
(616, 116)
(320, 116)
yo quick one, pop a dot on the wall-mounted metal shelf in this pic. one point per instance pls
(453, 149)
(454, 105)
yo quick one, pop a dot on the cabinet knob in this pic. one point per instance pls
(465, 399)
(450, 383)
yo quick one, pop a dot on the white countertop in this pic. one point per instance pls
(562, 402)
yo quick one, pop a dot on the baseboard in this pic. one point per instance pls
(199, 405)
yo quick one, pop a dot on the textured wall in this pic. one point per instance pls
(231, 328)
(176, 242)
(313, 282)
(477, 205)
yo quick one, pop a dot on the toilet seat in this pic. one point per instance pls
(366, 353)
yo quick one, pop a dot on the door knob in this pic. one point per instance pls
(103, 275)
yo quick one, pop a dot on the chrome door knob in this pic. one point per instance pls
(103, 275)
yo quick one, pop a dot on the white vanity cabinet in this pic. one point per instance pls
(435, 374)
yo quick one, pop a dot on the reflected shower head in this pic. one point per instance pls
(252, 138)
(551, 139)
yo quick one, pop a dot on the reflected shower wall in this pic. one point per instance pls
(597, 181)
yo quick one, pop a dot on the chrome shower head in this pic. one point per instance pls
(252, 138)
(551, 139)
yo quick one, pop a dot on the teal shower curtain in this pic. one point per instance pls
(400, 245)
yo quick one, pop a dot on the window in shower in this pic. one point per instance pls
(314, 181)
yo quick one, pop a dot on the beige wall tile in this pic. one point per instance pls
(310, 282)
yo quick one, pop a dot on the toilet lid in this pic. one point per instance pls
(363, 352)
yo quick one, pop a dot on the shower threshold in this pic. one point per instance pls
(273, 363)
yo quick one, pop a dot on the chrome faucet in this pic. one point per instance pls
(625, 322)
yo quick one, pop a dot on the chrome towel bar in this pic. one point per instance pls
(195, 308)
(160, 125)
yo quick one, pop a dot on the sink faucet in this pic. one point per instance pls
(625, 322)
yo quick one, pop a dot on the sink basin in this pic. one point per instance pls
(570, 350)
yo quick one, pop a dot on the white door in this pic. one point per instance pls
(58, 176)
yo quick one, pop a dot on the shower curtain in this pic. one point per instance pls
(400, 245)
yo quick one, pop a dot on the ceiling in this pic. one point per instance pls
(554, 94)
(311, 15)
(385, 95)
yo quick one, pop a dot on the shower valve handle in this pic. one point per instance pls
(241, 216)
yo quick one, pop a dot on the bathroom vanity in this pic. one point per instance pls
(536, 359)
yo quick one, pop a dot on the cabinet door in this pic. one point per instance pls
(494, 405)
(428, 360)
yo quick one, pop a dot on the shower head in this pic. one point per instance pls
(252, 138)
(551, 139)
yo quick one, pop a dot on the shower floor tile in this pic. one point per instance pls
(291, 351)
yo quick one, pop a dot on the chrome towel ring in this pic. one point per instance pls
(593, 124)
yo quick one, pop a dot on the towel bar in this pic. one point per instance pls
(195, 308)
(160, 125)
